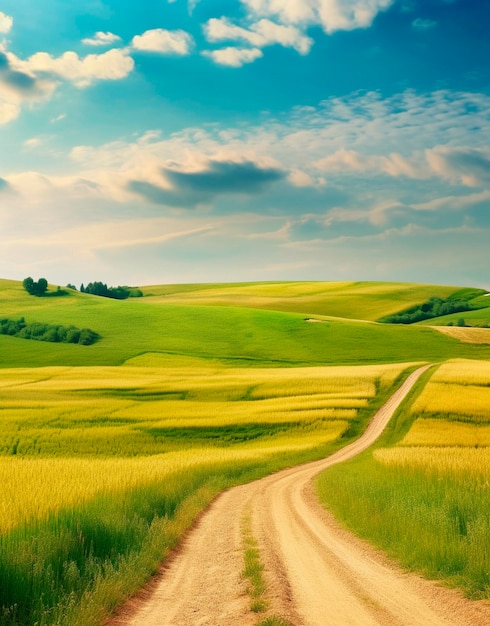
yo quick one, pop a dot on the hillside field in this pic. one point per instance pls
(233, 334)
(109, 451)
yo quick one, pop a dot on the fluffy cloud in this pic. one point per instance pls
(331, 15)
(6, 23)
(259, 34)
(19, 85)
(461, 165)
(101, 39)
(114, 64)
(234, 57)
(164, 41)
(269, 22)
(316, 152)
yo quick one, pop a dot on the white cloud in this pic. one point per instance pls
(18, 85)
(454, 203)
(468, 166)
(35, 79)
(259, 34)
(234, 57)
(6, 23)
(8, 111)
(331, 15)
(164, 41)
(292, 12)
(101, 39)
(393, 164)
(114, 64)
(33, 143)
(298, 178)
(342, 138)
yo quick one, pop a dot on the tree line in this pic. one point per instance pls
(97, 288)
(48, 332)
(434, 307)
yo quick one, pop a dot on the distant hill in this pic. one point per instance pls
(245, 324)
(350, 300)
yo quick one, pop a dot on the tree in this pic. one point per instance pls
(42, 285)
(33, 288)
(28, 284)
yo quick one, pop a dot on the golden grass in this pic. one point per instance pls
(463, 400)
(117, 412)
(463, 372)
(437, 432)
(32, 488)
(467, 462)
(466, 335)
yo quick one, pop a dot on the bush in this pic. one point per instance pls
(47, 332)
(118, 293)
(434, 307)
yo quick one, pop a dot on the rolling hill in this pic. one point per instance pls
(247, 324)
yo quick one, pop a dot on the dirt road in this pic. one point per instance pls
(317, 574)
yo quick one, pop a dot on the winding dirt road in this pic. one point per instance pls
(317, 573)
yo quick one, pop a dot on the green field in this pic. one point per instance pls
(109, 451)
(350, 300)
(241, 335)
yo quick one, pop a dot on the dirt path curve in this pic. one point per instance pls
(317, 573)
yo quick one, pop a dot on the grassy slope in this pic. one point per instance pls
(242, 335)
(351, 300)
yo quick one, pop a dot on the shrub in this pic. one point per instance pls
(47, 332)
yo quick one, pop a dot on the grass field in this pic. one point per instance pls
(103, 468)
(350, 300)
(424, 494)
(109, 451)
(243, 336)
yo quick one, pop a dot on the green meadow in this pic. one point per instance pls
(233, 334)
(109, 451)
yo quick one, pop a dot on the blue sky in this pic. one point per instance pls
(229, 140)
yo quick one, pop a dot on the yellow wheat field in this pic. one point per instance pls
(32, 488)
(459, 389)
(102, 417)
(463, 372)
(463, 461)
(439, 432)
(459, 399)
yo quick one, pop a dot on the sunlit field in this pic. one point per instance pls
(108, 452)
(425, 500)
(355, 300)
(245, 336)
(104, 468)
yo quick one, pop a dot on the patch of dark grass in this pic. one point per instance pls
(233, 433)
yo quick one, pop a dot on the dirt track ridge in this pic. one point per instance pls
(317, 573)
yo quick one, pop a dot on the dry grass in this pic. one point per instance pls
(438, 432)
(466, 335)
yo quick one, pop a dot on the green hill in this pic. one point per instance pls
(351, 300)
(243, 335)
